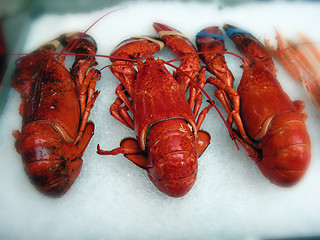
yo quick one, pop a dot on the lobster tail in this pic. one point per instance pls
(51, 163)
(172, 157)
(174, 174)
(286, 150)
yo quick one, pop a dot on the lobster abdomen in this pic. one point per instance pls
(172, 157)
(285, 150)
(51, 162)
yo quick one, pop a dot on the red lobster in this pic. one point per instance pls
(168, 138)
(55, 108)
(269, 125)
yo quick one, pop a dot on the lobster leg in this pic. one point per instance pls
(234, 117)
(203, 138)
(225, 92)
(131, 150)
(124, 98)
(87, 88)
(82, 43)
(86, 136)
(87, 98)
(85, 116)
(195, 97)
(126, 73)
(120, 113)
(210, 41)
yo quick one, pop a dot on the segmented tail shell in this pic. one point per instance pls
(172, 157)
(286, 150)
(51, 163)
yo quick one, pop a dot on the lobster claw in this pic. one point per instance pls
(182, 47)
(136, 48)
(210, 41)
(211, 35)
(175, 40)
(250, 47)
(127, 51)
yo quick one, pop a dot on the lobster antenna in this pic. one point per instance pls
(236, 55)
(75, 42)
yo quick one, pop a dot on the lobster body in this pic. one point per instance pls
(168, 137)
(276, 125)
(161, 109)
(55, 131)
(269, 125)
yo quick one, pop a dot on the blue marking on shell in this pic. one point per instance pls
(206, 34)
(231, 31)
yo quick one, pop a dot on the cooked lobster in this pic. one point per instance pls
(269, 125)
(169, 141)
(55, 107)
